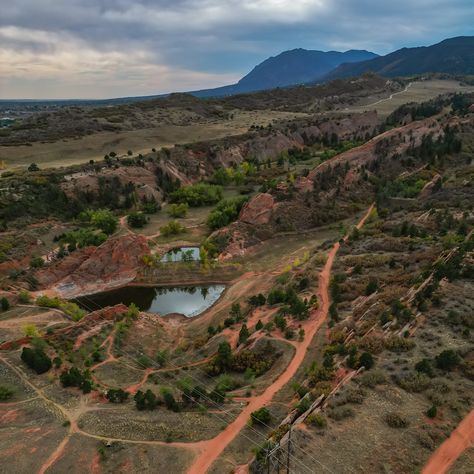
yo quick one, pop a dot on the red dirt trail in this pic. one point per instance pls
(461, 439)
(214, 447)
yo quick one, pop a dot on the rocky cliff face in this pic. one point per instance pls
(115, 263)
(331, 191)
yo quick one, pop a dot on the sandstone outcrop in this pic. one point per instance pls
(430, 187)
(113, 264)
(259, 210)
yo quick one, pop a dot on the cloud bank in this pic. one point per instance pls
(110, 48)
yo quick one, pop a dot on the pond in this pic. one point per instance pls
(182, 254)
(189, 301)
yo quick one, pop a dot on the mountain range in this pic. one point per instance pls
(452, 56)
(297, 66)
(300, 66)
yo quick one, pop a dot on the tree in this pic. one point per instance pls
(261, 416)
(366, 360)
(425, 367)
(162, 357)
(169, 399)
(259, 325)
(236, 312)
(145, 401)
(257, 300)
(224, 355)
(447, 360)
(116, 395)
(371, 287)
(4, 304)
(36, 359)
(243, 334)
(432, 412)
(5, 393)
(33, 167)
(36, 262)
(103, 219)
(136, 220)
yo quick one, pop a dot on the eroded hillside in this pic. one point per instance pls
(299, 292)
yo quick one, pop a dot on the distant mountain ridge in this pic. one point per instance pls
(293, 67)
(451, 56)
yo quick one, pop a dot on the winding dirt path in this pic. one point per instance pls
(460, 439)
(213, 448)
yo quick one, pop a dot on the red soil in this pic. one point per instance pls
(214, 447)
(461, 439)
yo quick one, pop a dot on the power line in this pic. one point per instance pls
(211, 402)
(215, 380)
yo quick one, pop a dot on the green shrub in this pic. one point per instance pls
(24, 297)
(103, 219)
(372, 379)
(4, 304)
(36, 359)
(75, 378)
(399, 344)
(172, 228)
(145, 401)
(425, 367)
(304, 405)
(225, 212)
(36, 262)
(432, 412)
(447, 360)
(261, 416)
(177, 210)
(151, 207)
(137, 220)
(366, 360)
(318, 420)
(197, 195)
(5, 393)
(169, 399)
(372, 287)
(395, 420)
(415, 382)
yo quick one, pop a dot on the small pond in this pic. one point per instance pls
(182, 254)
(190, 301)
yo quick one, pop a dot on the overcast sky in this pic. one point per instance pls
(113, 48)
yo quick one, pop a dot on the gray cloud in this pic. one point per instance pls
(132, 47)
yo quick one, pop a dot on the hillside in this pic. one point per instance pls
(297, 66)
(452, 56)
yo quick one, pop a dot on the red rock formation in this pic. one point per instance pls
(115, 263)
(259, 210)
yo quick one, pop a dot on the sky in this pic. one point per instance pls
(115, 48)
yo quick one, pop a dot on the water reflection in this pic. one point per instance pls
(190, 301)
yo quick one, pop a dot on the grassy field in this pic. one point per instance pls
(416, 92)
(94, 147)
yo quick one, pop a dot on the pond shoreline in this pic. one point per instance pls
(190, 301)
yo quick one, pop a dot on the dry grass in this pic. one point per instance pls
(94, 147)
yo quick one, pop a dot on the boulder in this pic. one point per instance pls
(258, 211)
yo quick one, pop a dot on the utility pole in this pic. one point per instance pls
(288, 454)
